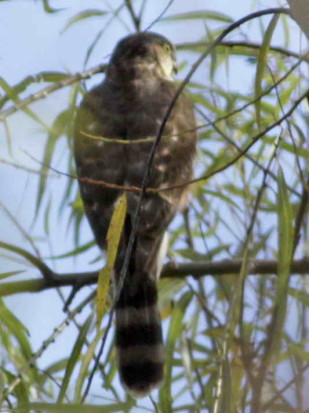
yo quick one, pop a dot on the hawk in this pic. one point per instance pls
(130, 105)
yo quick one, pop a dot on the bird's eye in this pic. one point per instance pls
(167, 48)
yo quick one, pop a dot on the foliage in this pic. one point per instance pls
(235, 342)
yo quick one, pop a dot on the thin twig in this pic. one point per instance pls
(49, 89)
(160, 15)
(279, 393)
(58, 330)
(245, 44)
(136, 20)
(26, 169)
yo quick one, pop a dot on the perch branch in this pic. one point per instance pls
(196, 269)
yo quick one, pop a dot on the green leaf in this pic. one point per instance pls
(12, 94)
(261, 64)
(21, 392)
(76, 251)
(199, 15)
(74, 357)
(17, 329)
(285, 253)
(9, 274)
(285, 239)
(168, 288)
(289, 147)
(113, 239)
(225, 198)
(57, 366)
(44, 269)
(84, 373)
(53, 77)
(299, 352)
(174, 333)
(48, 8)
(58, 129)
(82, 16)
(300, 295)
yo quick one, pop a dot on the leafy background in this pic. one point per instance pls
(235, 341)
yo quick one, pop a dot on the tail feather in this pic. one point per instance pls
(139, 337)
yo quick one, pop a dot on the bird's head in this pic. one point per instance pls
(144, 53)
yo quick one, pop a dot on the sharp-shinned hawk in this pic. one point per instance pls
(130, 104)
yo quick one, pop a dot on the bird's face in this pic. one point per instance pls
(145, 53)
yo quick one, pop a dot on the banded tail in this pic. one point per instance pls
(139, 337)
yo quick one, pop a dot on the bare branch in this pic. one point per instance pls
(195, 269)
(46, 91)
(244, 44)
(136, 19)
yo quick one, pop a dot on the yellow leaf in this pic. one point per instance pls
(166, 311)
(113, 239)
(103, 284)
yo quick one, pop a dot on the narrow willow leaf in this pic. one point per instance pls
(289, 147)
(174, 333)
(53, 77)
(9, 274)
(261, 64)
(29, 257)
(93, 45)
(83, 373)
(299, 352)
(21, 392)
(47, 217)
(285, 228)
(57, 366)
(13, 95)
(29, 80)
(224, 388)
(113, 239)
(74, 357)
(8, 136)
(224, 404)
(226, 50)
(57, 129)
(225, 198)
(199, 15)
(167, 289)
(19, 332)
(300, 295)
(82, 16)
(48, 8)
(285, 251)
(76, 251)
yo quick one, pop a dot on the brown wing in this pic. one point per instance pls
(98, 160)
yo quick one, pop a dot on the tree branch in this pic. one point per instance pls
(244, 44)
(170, 270)
(49, 89)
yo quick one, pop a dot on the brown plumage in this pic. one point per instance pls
(130, 104)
